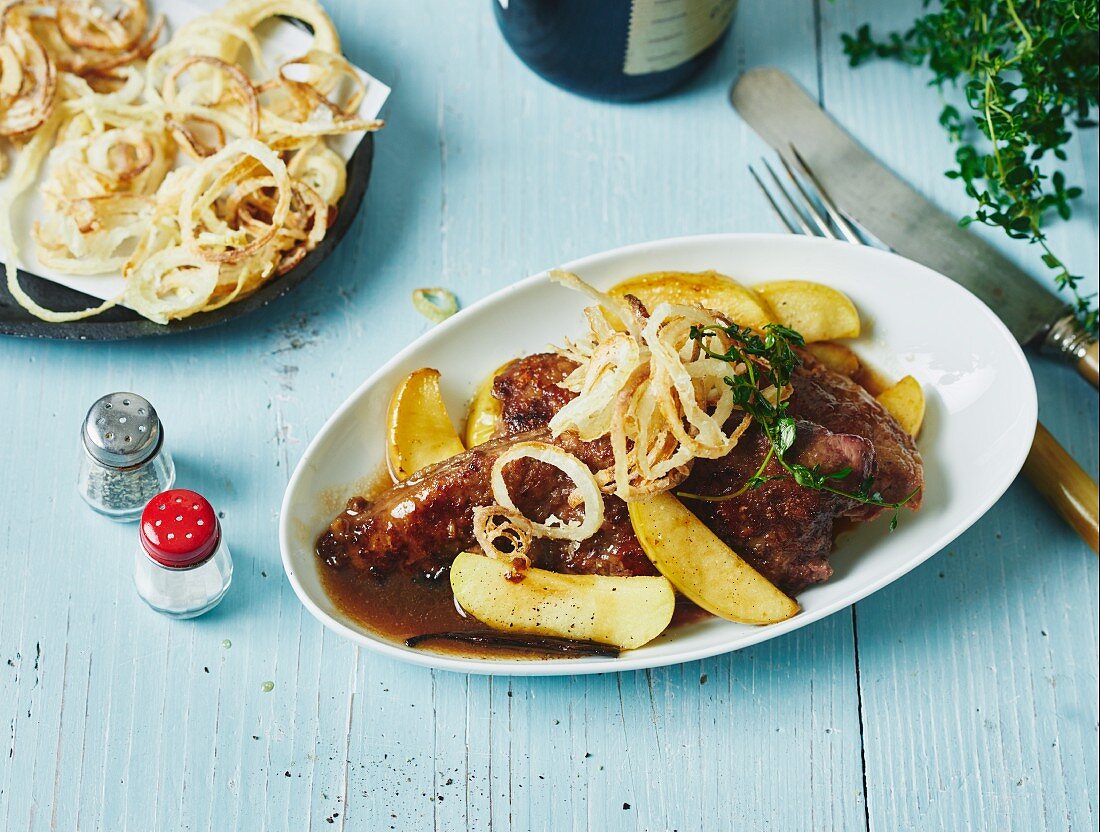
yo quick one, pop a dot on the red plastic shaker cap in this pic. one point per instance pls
(179, 528)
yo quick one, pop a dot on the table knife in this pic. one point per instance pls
(785, 116)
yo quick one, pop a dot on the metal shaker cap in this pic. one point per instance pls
(122, 429)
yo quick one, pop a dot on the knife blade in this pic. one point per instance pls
(781, 111)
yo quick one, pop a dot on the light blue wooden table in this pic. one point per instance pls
(963, 696)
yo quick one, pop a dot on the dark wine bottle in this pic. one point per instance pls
(617, 50)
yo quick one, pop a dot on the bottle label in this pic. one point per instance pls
(666, 33)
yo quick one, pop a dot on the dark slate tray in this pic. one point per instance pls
(120, 323)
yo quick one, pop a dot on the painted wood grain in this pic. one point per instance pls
(964, 696)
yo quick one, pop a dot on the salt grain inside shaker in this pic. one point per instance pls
(182, 566)
(124, 464)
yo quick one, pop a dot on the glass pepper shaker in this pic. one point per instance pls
(182, 567)
(124, 464)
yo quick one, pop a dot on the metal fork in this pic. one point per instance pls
(1057, 476)
(806, 207)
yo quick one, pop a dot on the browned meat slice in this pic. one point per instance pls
(785, 531)
(422, 523)
(839, 404)
(613, 550)
(530, 396)
(528, 392)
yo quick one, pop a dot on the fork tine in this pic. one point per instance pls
(806, 227)
(846, 228)
(810, 206)
(775, 207)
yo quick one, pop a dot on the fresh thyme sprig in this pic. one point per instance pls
(1027, 70)
(769, 362)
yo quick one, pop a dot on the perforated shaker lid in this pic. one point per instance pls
(122, 429)
(179, 528)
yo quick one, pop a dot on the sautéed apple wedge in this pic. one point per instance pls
(816, 311)
(484, 413)
(625, 612)
(419, 432)
(707, 289)
(704, 568)
(836, 357)
(905, 401)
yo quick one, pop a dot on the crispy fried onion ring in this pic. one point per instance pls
(299, 105)
(317, 75)
(92, 234)
(172, 283)
(211, 236)
(22, 177)
(98, 193)
(322, 169)
(227, 32)
(28, 81)
(247, 216)
(504, 535)
(307, 219)
(86, 25)
(588, 491)
(652, 390)
(90, 39)
(209, 100)
(187, 133)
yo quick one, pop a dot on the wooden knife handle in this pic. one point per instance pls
(1064, 483)
(1086, 364)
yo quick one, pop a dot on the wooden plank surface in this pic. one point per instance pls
(964, 696)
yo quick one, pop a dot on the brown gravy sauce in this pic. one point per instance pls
(399, 605)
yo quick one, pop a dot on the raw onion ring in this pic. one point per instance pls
(436, 304)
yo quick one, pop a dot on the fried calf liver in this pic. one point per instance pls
(784, 530)
(839, 404)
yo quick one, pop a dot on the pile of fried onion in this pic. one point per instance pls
(643, 381)
(646, 385)
(195, 170)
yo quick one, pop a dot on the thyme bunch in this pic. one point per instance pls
(1028, 69)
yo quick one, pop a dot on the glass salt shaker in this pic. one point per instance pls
(182, 567)
(124, 464)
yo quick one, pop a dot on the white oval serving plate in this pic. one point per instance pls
(979, 424)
